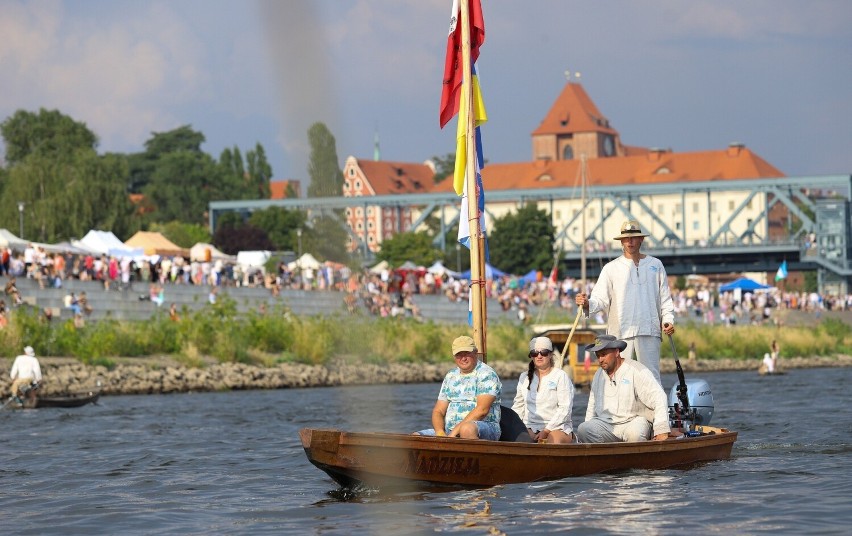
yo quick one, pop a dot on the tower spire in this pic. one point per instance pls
(376, 152)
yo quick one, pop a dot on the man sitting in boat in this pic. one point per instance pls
(626, 403)
(25, 370)
(545, 396)
(468, 404)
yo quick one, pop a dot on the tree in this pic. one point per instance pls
(183, 234)
(280, 226)
(259, 173)
(444, 166)
(48, 132)
(182, 186)
(66, 188)
(326, 238)
(323, 168)
(414, 247)
(237, 182)
(522, 241)
(143, 165)
(232, 240)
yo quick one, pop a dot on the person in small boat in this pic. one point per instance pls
(25, 370)
(545, 396)
(633, 290)
(775, 353)
(468, 404)
(768, 366)
(626, 403)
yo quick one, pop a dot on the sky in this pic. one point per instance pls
(775, 75)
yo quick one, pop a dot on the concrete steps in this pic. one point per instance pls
(126, 305)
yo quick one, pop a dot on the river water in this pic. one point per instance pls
(231, 463)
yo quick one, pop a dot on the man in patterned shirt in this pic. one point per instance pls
(468, 404)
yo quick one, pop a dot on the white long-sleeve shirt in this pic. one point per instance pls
(632, 391)
(26, 366)
(636, 299)
(548, 407)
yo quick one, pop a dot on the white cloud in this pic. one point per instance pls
(122, 76)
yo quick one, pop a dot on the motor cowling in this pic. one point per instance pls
(700, 399)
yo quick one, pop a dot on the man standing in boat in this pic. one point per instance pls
(626, 402)
(25, 370)
(468, 404)
(633, 290)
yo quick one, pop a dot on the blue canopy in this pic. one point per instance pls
(529, 277)
(490, 272)
(744, 284)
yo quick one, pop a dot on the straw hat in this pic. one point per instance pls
(629, 229)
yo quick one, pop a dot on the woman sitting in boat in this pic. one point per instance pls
(545, 396)
(626, 403)
(468, 404)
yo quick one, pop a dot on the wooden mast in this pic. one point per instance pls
(583, 222)
(477, 240)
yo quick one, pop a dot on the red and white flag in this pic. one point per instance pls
(453, 67)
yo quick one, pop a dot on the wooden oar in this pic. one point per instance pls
(567, 347)
(11, 399)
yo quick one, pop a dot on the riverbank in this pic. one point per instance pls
(163, 375)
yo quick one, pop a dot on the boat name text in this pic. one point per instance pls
(436, 464)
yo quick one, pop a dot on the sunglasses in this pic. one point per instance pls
(544, 353)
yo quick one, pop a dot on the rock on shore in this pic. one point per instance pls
(62, 376)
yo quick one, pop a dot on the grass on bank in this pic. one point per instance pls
(220, 333)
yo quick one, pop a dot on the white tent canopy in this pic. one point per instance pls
(8, 239)
(198, 252)
(379, 268)
(253, 259)
(439, 269)
(106, 243)
(305, 262)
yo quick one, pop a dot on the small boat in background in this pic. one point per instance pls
(32, 399)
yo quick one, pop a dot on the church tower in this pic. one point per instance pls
(574, 126)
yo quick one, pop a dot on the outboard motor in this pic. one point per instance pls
(700, 405)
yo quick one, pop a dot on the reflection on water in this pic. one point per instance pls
(232, 463)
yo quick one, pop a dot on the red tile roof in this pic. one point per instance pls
(573, 112)
(278, 189)
(397, 177)
(653, 167)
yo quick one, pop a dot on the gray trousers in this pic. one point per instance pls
(598, 430)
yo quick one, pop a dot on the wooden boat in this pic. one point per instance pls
(69, 401)
(397, 460)
(74, 400)
(389, 460)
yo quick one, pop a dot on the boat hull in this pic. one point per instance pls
(71, 401)
(392, 460)
(68, 401)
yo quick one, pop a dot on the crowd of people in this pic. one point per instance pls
(391, 293)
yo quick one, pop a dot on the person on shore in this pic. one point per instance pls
(468, 404)
(173, 313)
(25, 370)
(633, 290)
(626, 403)
(13, 292)
(775, 353)
(545, 396)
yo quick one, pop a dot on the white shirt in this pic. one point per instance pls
(636, 299)
(26, 366)
(633, 390)
(768, 361)
(548, 407)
